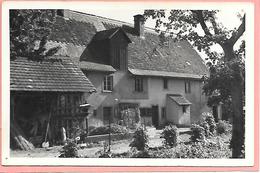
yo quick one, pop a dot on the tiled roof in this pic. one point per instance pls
(107, 34)
(139, 72)
(180, 100)
(143, 53)
(51, 74)
(72, 31)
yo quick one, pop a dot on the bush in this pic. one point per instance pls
(208, 123)
(211, 122)
(223, 127)
(170, 135)
(204, 149)
(140, 139)
(197, 133)
(70, 150)
(102, 130)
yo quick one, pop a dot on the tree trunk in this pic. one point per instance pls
(238, 131)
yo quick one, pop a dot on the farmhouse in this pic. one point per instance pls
(132, 67)
(48, 91)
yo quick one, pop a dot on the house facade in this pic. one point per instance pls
(132, 68)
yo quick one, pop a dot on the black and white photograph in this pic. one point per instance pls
(124, 83)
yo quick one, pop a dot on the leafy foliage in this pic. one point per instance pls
(170, 135)
(140, 139)
(227, 68)
(209, 123)
(29, 31)
(223, 127)
(70, 150)
(197, 133)
(105, 130)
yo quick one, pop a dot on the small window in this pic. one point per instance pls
(184, 109)
(187, 87)
(138, 84)
(165, 83)
(108, 83)
(94, 112)
(163, 113)
(146, 112)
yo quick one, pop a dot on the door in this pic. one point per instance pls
(155, 116)
(107, 113)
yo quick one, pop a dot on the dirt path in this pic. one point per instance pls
(116, 147)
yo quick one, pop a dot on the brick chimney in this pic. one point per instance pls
(139, 25)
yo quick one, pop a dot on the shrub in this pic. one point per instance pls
(211, 122)
(104, 153)
(223, 127)
(70, 150)
(170, 135)
(197, 133)
(203, 149)
(105, 130)
(141, 154)
(208, 123)
(140, 139)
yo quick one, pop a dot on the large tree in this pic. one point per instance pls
(29, 31)
(226, 81)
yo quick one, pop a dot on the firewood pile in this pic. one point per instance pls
(18, 138)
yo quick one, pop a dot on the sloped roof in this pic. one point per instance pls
(179, 99)
(139, 72)
(143, 53)
(91, 66)
(52, 74)
(72, 31)
(108, 34)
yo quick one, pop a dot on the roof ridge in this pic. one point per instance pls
(147, 29)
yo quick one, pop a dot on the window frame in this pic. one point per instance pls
(108, 83)
(165, 83)
(139, 86)
(187, 85)
(163, 112)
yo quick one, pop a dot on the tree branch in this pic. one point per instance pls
(239, 32)
(200, 19)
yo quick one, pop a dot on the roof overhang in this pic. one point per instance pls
(139, 72)
(91, 66)
(180, 100)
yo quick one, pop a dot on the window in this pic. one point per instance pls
(94, 112)
(108, 83)
(138, 84)
(163, 113)
(187, 87)
(107, 111)
(146, 112)
(184, 109)
(165, 83)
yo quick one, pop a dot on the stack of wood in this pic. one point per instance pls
(18, 137)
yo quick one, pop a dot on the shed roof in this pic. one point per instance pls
(51, 74)
(179, 99)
